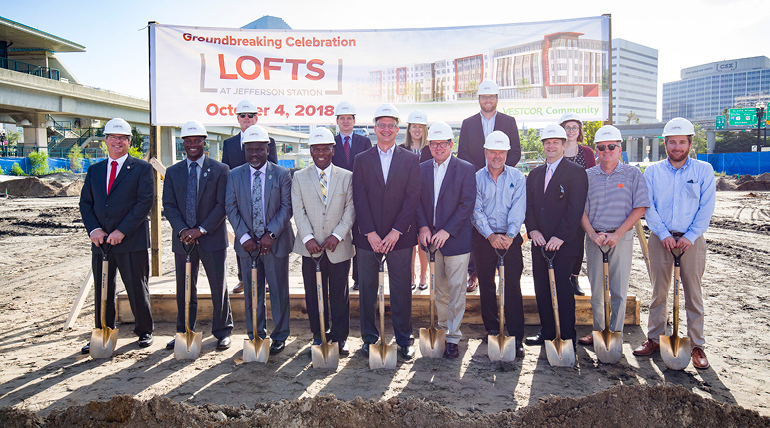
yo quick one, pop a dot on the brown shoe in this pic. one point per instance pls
(699, 360)
(473, 283)
(238, 288)
(587, 340)
(647, 348)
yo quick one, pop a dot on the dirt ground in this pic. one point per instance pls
(45, 256)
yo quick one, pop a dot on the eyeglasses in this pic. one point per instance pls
(113, 137)
(571, 128)
(439, 144)
(387, 125)
(244, 115)
(487, 97)
(601, 147)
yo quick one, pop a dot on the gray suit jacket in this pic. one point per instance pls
(314, 218)
(277, 207)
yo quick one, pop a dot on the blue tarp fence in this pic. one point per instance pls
(53, 163)
(751, 163)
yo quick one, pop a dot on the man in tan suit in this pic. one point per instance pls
(322, 201)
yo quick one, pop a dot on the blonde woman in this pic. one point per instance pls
(417, 142)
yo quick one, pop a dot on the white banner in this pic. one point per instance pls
(544, 69)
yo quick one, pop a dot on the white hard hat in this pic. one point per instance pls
(194, 128)
(117, 126)
(566, 117)
(553, 131)
(440, 131)
(255, 134)
(497, 140)
(678, 126)
(418, 118)
(607, 133)
(488, 87)
(245, 106)
(345, 108)
(387, 110)
(321, 135)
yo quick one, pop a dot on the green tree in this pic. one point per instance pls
(12, 137)
(16, 170)
(75, 156)
(530, 142)
(699, 142)
(589, 130)
(134, 152)
(472, 88)
(734, 142)
(136, 138)
(38, 162)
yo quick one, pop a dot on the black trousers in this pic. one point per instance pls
(486, 267)
(334, 282)
(214, 265)
(565, 294)
(581, 237)
(134, 270)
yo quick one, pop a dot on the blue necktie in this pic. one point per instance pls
(192, 195)
(258, 222)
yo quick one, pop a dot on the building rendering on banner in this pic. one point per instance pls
(634, 82)
(704, 91)
(561, 65)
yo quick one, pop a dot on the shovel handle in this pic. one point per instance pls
(254, 289)
(606, 268)
(381, 298)
(319, 290)
(187, 291)
(554, 300)
(677, 282)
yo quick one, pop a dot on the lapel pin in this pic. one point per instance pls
(205, 174)
(270, 176)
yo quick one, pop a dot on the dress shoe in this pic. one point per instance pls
(407, 352)
(223, 343)
(238, 288)
(423, 286)
(587, 340)
(277, 347)
(316, 341)
(576, 285)
(170, 345)
(343, 347)
(145, 340)
(414, 286)
(365, 349)
(451, 350)
(519, 348)
(646, 348)
(473, 283)
(535, 340)
(356, 286)
(86, 349)
(699, 360)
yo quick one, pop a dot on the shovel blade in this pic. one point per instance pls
(608, 346)
(382, 356)
(432, 342)
(325, 356)
(675, 351)
(257, 350)
(187, 346)
(560, 353)
(103, 341)
(501, 348)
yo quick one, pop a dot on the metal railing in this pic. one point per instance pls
(22, 152)
(35, 70)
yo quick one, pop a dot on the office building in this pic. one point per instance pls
(634, 82)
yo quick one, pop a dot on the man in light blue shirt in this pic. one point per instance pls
(682, 195)
(497, 217)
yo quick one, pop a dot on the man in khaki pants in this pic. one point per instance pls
(682, 195)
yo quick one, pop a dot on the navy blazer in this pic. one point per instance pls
(558, 211)
(380, 207)
(210, 203)
(470, 146)
(125, 208)
(233, 155)
(359, 144)
(454, 207)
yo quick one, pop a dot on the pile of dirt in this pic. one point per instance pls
(754, 185)
(725, 183)
(40, 188)
(638, 406)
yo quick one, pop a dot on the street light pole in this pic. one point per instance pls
(760, 112)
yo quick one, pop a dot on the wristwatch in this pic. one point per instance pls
(270, 234)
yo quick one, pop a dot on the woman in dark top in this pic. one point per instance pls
(417, 142)
(583, 156)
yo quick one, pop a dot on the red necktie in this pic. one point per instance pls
(113, 173)
(347, 150)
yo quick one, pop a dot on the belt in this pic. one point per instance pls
(676, 234)
(607, 231)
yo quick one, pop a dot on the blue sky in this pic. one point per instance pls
(685, 33)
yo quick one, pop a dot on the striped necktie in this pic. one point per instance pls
(323, 185)
(258, 222)
(191, 199)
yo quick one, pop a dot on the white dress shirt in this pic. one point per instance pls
(385, 159)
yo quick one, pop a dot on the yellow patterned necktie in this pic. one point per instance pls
(323, 185)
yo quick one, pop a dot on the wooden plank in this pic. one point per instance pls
(155, 218)
(159, 168)
(82, 294)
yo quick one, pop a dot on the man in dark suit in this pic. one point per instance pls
(194, 204)
(347, 145)
(386, 192)
(116, 198)
(232, 150)
(258, 206)
(447, 198)
(473, 133)
(556, 198)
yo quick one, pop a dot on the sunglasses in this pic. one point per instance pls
(601, 147)
(437, 144)
(245, 115)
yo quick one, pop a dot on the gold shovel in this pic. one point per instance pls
(560, 352)
(382, 355)
(608, 344)
(258, 349)
(187, 345)
(501, 347)
(325, 355)
(432, 340)
(675, 350)
(103, 340)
